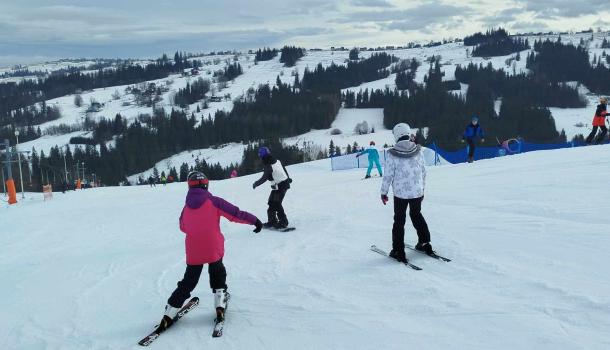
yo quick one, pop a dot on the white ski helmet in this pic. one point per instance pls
(401, 130)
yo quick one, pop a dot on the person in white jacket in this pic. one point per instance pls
(405, 171)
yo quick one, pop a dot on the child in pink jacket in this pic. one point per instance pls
(200, 221)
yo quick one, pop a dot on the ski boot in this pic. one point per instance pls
(269, 224)
(399, 255)
(367, 177)
(282, 222)
(425, 247)
(221, 298)
(168, 317)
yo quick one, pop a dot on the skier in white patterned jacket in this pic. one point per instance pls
(405, 171)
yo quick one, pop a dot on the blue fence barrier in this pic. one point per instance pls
(461, 156)
(350, 161)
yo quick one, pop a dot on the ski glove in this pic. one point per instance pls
(259, 226)
(254, 186)
(384, 199)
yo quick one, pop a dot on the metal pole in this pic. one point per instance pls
(19, 159)
(3, 181)
(30, 167)
(65, 168)
(7, 149)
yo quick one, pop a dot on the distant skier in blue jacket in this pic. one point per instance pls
(373, 159)
(471, 134)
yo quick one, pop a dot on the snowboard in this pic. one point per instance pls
(286, 229)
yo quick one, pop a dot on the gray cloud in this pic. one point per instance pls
(371, 3)
(551, 9)
(416, 18)
(530, 26)
(141, 28)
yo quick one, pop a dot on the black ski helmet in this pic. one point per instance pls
(196, 179)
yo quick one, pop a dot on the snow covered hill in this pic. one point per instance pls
(528, 235)
(574, 120)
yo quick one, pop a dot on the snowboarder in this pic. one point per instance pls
(471, 134)
(163, 180)
(406, 173)
(599, 121)
(277, 174)
(373, 156)
(200, 221)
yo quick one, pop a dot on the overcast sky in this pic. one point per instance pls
(34, 30)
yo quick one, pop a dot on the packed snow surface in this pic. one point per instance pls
(528, 236)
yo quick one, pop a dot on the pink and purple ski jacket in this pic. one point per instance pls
(200, 221)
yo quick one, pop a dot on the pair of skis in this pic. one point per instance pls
(414, 267)
(190, 305)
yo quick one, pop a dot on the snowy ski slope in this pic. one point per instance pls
(528, 235)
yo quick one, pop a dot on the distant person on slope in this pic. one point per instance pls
(200, 221)
(163, 180)
(373, 156)
(599, 121)
(405, 171)
(277, 174)
(234, 173)
(472, 133)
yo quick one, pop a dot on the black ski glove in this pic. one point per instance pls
(254, 186)
(259, 226)
(384, 199)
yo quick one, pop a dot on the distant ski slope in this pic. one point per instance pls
(528, 236)
(574, 120)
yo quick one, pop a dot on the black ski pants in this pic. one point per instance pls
(471, 147)
(601, 136)
(218, 280)
(275, 212)
(417, 219)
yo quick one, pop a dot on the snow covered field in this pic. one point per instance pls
(528, 236)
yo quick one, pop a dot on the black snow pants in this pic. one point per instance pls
(417, 219)
(275, 212)
(601, 136)
(471, 147)
(218, 280)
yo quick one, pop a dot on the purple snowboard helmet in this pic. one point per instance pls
(263, 152)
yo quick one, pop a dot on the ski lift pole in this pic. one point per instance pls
(10, 183)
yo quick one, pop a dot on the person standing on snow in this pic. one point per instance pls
(599, 121)
(277, 174)
(471, 134)
(405, 171)
(200, 221)
(373, 156)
